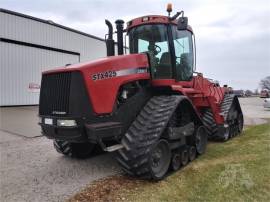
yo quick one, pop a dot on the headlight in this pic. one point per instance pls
(66, 123)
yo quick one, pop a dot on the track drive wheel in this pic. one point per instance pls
(76, 150)
(201, 139)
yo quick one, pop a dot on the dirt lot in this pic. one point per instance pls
(30, 169)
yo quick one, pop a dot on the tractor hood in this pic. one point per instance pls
(104, 77)
(112, 63)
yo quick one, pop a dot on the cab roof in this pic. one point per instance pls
(152, 19)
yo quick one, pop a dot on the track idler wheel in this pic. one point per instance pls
(192, 153)
(160, 158)
(201, 139)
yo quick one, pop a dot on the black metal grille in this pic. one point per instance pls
(54, 94)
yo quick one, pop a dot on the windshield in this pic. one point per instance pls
(153, 40)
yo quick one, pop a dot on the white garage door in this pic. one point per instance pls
(20, 71)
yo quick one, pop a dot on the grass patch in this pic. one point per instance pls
(238, 170)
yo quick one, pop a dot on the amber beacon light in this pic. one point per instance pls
(169, 8)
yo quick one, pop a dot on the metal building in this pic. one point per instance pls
(30, 45)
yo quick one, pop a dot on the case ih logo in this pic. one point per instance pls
(33, 87)
(124, 72)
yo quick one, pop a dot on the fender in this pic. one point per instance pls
(200, 91)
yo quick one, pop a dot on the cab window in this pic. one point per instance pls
(153, 40)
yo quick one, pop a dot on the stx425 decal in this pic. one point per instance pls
(124, 72)
(103, 75)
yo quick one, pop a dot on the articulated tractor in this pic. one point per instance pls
(150, 107)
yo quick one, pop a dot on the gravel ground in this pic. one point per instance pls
(31, 170)
(254, 112)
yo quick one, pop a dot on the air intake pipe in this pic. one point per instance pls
(119, 28)
(109, 40)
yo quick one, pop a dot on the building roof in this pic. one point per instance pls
(49, 22)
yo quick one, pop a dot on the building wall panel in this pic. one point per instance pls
(21, 66)
(31, 31)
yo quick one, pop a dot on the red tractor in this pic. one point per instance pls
(150, 106)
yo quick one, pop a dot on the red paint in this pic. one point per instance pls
(200, 91)
(152, 19)
(102, 93)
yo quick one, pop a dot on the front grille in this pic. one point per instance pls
(54, 94)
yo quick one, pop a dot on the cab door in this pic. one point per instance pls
(184, 55)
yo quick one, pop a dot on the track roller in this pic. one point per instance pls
(201, 139)
(184, 157)
(192, 153)
(176, 161)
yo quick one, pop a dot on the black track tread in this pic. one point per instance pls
(68, 149)
(63, 147)
(144, 132)
(225, 107)
(209, 122)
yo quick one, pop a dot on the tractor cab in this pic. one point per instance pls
(168, 42)
(170, 50)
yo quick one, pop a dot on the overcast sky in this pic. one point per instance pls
(232, 36)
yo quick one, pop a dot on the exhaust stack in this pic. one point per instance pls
(119, 28)
(109, 40)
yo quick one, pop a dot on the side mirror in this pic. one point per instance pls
(182, 23)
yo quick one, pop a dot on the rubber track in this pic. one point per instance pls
(143, 133)
(63, 147)
(233, 125)
(209, 122)
(226, 104)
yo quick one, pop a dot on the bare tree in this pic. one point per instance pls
(265, 83)
(248, 92)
